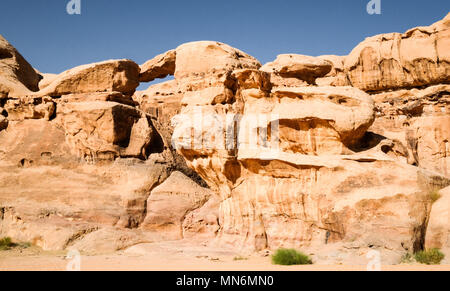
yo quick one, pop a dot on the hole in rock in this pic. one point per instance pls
(368, 141)
(143, 86)
(25, 163)
(4, 54)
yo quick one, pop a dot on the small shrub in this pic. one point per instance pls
(239, 258)
(6, 244)
(289, 257)
(434, 195)
(408, 258)
(430, 257)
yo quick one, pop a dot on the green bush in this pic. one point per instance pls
(289, 257)
(430, 257)
(434, 195)
(407, 258)
(6, 244)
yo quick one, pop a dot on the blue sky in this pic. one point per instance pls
(53, 41)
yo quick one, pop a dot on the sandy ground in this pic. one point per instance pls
(168, 257)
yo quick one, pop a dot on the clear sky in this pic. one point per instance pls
(53, 41)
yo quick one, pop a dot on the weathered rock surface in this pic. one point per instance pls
(3, 122)
(200, 65)
(305, 68)
(82, 158)
(337, 75)
(416, 58)
(162, 101)
(203, 223)
(170, 202)
(17, 76)
(47, 79)
(420, 120)
(326, 180)
(438, 232)
(108, 76)
(295, 154)
(84, 202)
(97, 96)
(159, 67)
(30, 108)
(106, 130)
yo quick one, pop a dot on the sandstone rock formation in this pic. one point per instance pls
(159, 67)
(301, 152)
(83, 159)
(47, 79)
(438, 232)
(305, 68)
(170, 202)
(17, 76)
(337, 76)
(416, 58)
(320, 184)
(109, 76)
(106, 130)
(420, 120)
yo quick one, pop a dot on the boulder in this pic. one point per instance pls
(108, 76)
(105, 130)
(301, 67)
(204, 64)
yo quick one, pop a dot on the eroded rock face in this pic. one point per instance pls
(105, 130)
(295, 166)
(391, 61)
(438, 233)
(30, 108)
(301, 67)
(47, 79)
(296, 153)
(170, 202)
(82, 158)
(201, 65)
(108, 76)
(420, 120)
(3, 122)
(159, 67)
(337, 75)
(17, 76)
